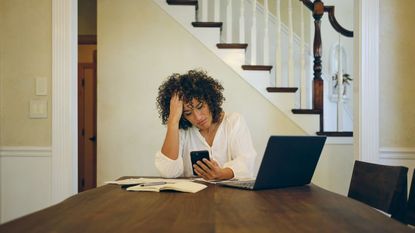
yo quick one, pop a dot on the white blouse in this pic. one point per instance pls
(232, 147)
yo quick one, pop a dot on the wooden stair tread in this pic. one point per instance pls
(306, 111)
(257, 67)
(282, 89)
(231, 46)
(208, 24)
(182, 2)
(336, 133)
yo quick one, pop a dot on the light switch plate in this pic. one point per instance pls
(41, 86)
(38, 108)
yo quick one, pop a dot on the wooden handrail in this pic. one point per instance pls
(335, 24)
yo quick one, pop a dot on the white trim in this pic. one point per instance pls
(366, 106)
(64, 99)
(339, 140)
(397, 153)
(25, 151)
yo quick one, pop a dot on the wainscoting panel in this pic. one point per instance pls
(25, 181)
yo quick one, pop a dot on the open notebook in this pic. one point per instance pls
(183, 186)
(288, 161)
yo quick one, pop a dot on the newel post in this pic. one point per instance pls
(318, 9)
(318, 83)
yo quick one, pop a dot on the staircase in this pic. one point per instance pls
(215, 35)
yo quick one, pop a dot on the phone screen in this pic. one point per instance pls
(198, 155)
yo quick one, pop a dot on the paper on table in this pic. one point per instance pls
(207, 181)
(126, 181)
(223, 181)
(132, 181)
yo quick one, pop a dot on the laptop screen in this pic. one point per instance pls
(289, 161)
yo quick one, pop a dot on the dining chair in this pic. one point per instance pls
(410, 207)
(380, 186)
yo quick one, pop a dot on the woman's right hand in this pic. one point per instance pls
(176, 109)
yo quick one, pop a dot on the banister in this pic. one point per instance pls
(317, 8)
(335, 24)
(257, 56)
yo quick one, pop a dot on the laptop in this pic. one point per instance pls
(288, 161)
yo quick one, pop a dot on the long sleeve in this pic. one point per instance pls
(167, 167)
(242, 152)
(170, 168)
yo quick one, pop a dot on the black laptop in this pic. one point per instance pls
(288, 161)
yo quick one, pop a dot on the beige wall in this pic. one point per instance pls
(334, 169)
(397, 73)
(25, 54)
(138, 47)
(397, 84)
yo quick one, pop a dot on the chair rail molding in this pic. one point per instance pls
(401, 153)
(64, 99)
(366, 94)
(24, 151)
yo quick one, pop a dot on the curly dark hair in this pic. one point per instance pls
(195, 84)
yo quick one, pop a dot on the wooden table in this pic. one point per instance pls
(215, 209)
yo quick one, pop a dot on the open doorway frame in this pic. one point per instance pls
(87, 112)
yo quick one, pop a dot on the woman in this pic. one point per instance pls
(191, 106)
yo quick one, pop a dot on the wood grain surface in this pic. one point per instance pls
(215, 209)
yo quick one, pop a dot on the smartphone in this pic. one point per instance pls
(198, 155)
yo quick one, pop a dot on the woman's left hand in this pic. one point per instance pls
(210, 170)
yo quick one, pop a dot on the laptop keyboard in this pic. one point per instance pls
(246, 184)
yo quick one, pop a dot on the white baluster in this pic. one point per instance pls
(266, 36)
(253, 34)
(278, 67)
(229, 21)
(291, 82)
(303, 84)
(204, 16)
(216, 16)
(340, 88)
(242, 23)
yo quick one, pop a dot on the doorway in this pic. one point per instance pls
(87, 115)
(87, 94)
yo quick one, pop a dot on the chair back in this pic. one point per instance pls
(380, 186)
(410, 208)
